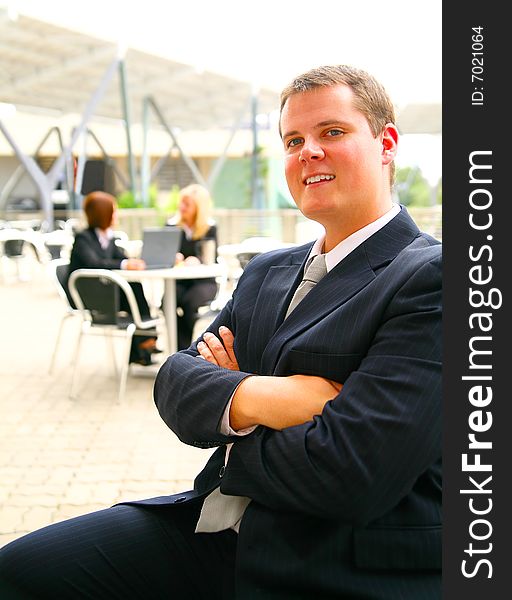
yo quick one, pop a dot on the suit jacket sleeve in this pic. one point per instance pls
(372, 442)
(191, 394)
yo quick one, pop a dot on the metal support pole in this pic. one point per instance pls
(157, 167)
(41, 181)
(80, 166)
(109, 159)
(145, 176)
(56, 168)
(219, 163)
(256, 196)
(46, 183)
(17, 174)
(127, 124)
(189, 162)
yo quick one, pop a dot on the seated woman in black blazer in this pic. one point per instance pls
(194, 211)
(95, 248)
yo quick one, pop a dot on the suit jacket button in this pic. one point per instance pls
(222, 470)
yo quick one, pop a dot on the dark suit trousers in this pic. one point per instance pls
(122, 553)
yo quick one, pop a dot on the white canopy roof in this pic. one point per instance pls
(49, 69)
(44, 67)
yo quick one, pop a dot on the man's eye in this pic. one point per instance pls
(293, 142)
(334, 132)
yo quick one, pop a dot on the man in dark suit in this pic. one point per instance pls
(324, 402)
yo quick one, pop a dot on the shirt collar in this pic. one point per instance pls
(189, 232)
(104, 236)
(346, 246)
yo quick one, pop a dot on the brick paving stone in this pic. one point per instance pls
(61, 458)
(24, 497)
(10, 474)
(11, 518)
(36, 515)
(59, 473)
(78, 493)
(5, 493)
(32, 490)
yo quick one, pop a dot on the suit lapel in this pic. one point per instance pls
(382, 247)
(340, 284)
(272, 301)
(352, 274)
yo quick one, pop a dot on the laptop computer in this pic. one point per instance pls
(159, 246)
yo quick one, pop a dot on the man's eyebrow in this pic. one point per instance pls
(289, 133)
(318, 126)
(331, 122)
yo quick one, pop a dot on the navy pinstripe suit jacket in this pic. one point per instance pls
(347, 505)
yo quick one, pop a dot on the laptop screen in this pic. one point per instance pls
(159, 246)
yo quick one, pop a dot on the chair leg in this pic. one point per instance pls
(57, 343)
(20, 261)
(2, 262)
(72, 393)
(125, 365)
(18, 271)
(112, 352)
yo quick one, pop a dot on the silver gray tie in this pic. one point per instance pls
(312, 275)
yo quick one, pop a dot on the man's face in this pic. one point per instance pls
(334, 166)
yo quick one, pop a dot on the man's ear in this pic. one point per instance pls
(389, 143)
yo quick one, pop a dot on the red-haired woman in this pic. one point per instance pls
(95, 248)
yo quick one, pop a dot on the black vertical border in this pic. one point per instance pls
(468, 128)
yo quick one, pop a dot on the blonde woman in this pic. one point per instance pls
(194, 219)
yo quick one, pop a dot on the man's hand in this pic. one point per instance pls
(276, 402)
(219, 352)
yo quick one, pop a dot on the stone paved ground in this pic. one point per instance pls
(59, 457)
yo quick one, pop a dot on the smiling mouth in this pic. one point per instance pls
(318, 178)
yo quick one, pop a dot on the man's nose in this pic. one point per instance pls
(311, 150)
